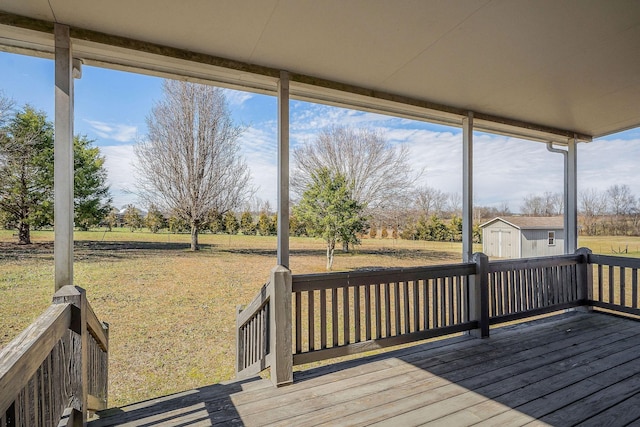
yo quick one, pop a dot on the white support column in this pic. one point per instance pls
(467, 187)
(283, 170)
(571, 208)
(63, 158)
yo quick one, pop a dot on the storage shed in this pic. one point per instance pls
(523, 237)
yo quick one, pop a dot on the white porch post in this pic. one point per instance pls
(283, 170)
(571, 208)
(63, 158)
(467, 187)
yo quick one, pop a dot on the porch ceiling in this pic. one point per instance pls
(561, 67)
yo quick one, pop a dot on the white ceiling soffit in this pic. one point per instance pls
(524, 67)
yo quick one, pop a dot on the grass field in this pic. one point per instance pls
(171, 312)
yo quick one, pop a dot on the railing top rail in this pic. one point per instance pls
(96, 328)
(22, 357)
(258, 301)
(616, 261)
(306, 282)
(518, 264)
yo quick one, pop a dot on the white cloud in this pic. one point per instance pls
(259, 147)
(120, 173)
(113, 131)
(236, 97)
(505, 169)
(609, 161)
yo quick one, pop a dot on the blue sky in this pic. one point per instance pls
(111, 107)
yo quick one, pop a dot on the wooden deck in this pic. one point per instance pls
(576, 368)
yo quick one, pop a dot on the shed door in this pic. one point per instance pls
(504, 243)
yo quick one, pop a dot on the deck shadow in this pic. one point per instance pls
(208, 403)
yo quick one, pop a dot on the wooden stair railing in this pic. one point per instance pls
(56, 370)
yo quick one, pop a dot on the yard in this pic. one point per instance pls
(171, 312)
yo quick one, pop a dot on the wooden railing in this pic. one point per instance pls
(252, 329)
(344, 313)
(615, 283)
(338, 314)
(55, 371)
(524, 287)
(263, 330)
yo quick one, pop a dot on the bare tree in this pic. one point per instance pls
(621, 203)
(376, 171)
(190, 163)
(554, 203)
(378, 174)
(593, 204)
(6, 108)
(454, 204)
(549, 204)
(430, 201)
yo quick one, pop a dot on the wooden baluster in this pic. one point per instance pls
(323, 318)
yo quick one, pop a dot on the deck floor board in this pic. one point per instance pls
(564, 370)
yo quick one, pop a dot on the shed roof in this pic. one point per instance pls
(545, 69)
(530, 222)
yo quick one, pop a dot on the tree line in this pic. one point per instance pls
(614, 211)
(346, 184)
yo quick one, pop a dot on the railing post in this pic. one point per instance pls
(280, 328)
(584, 278)
(479, 296)
(78, 362)
(239, 343)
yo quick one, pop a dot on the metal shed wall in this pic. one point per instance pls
(536, 242)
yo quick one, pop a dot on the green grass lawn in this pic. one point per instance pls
(171, 311)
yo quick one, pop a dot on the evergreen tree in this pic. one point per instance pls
(330, 212)
(154, 220)
(384, 234)
(111, 220)
(177, 224)
(274, 225)
(91, 197)
(437, 229)
(132, 218)
(297, 227)
(246, 223)
(215, 222)
(455, 229)
(26, 175)
(26, 171)
(265, 226)
(231, 224)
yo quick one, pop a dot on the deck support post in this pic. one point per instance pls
(467, 187)
(283, 170)
(280, 327)
(479, 296)
(584, 278)
(79, 351)
(63, 158)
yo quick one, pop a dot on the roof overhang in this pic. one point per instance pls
(538, 80)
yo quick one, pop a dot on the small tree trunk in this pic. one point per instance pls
(331, 245)
(24, 233)
(194, 237)
(345, 247)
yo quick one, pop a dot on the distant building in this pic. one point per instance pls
(523, 237)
